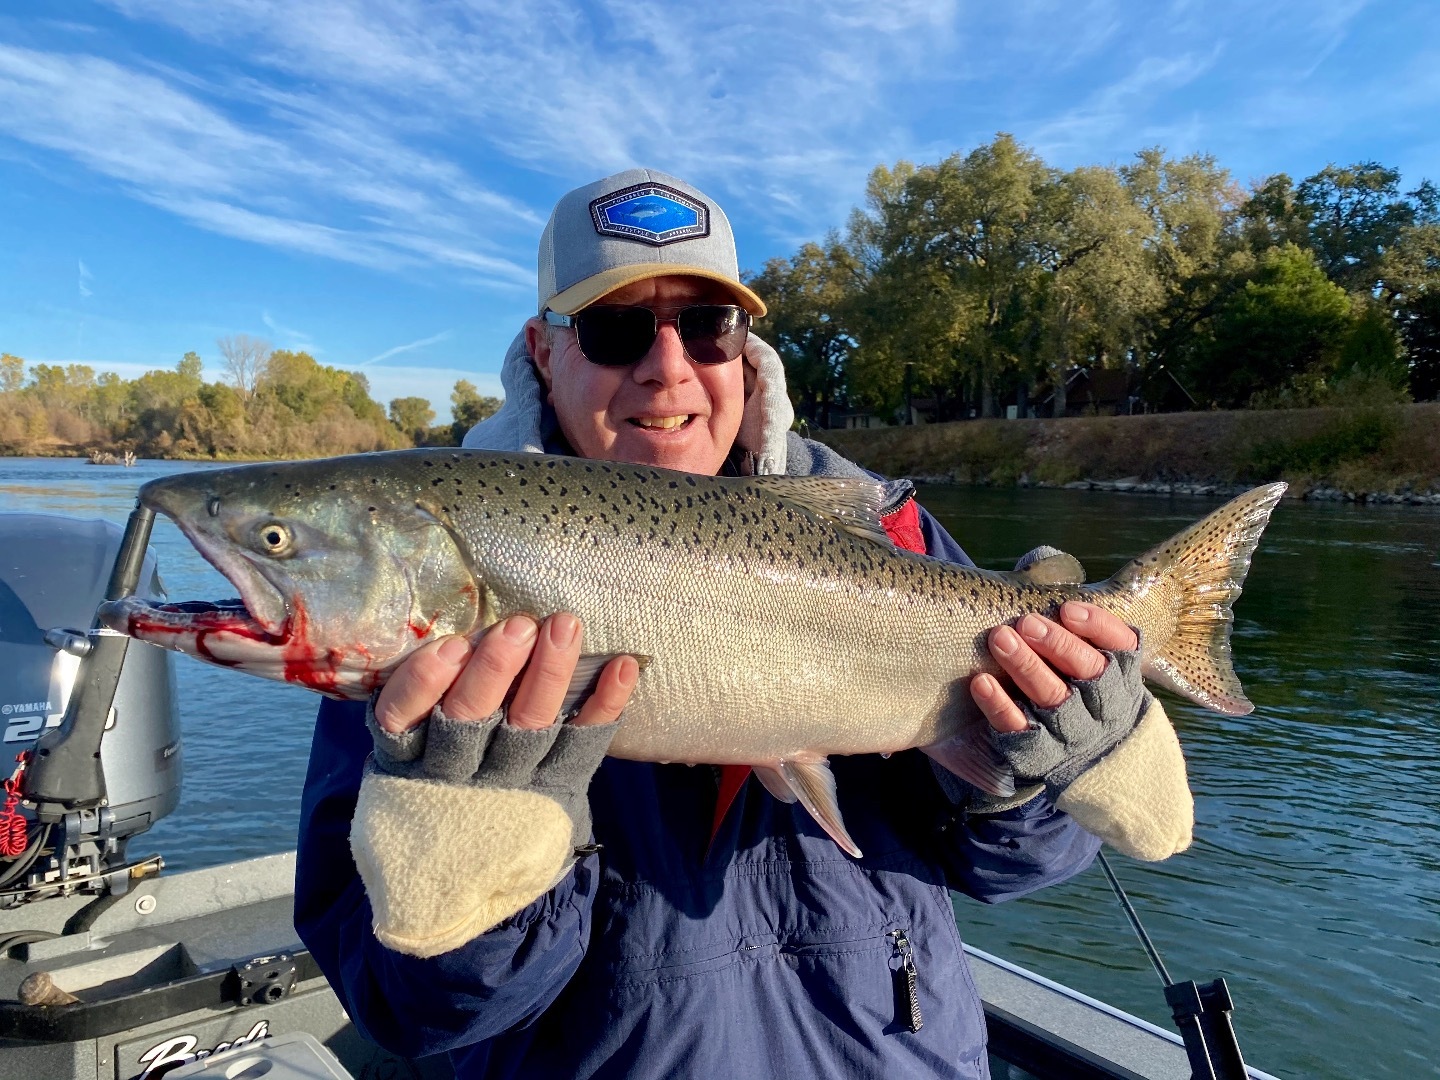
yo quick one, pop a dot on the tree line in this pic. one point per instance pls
(272, 403)
(992, 278)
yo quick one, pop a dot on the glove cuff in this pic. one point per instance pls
(1136, 798)
(442, 863)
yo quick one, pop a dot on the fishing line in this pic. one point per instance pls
(1135, 924)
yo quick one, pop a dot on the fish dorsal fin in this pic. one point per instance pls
(851, 502)
(1051, 566)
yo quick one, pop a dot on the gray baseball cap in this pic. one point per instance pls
(635, 225)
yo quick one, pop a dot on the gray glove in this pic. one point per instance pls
(1064, 741)
(557, 761)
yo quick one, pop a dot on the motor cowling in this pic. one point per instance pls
(53, 575)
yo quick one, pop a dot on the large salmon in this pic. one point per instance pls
(775, 621)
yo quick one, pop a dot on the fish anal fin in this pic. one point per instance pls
(814, 786)
(850, 502)
(975, 760)
(774, 781)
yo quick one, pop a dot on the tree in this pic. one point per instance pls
(1356, 214)
(12, 373)
(1098, 283)
(190, 366)
(1410, 285)
(808, 297)
(1284, 325)
(468, 408)
(412, 415)
(245, 359)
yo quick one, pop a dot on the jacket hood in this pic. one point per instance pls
(525, 422)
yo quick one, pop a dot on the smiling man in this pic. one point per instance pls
(697, 925)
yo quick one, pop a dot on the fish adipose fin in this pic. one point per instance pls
(850, 502)
(813, 784)
(1203, 569)
(1051, 566)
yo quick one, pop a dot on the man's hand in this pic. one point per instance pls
(472, 685)
(1038, 654)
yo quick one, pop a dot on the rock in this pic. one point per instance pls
(1078, 485)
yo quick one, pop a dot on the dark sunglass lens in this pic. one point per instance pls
(615, 337)
(713, 333)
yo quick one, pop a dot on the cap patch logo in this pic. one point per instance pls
(651, 213)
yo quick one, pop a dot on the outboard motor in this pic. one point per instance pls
(53, 575)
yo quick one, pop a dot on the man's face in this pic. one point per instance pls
(630, 413)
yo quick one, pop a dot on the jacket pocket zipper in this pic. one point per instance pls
(906, 980)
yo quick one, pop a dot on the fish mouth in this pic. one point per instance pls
(221, 631)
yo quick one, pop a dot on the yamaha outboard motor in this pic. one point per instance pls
(53, 574)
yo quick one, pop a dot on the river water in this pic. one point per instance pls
(1313, 886)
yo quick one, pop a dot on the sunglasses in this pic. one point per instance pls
(618, 336)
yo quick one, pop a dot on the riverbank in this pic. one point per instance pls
(1380, 454)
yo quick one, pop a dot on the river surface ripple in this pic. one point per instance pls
(1313, 886)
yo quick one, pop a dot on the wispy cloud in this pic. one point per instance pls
(83, 278)
(306, 179)
(412, 346)
(296, 338)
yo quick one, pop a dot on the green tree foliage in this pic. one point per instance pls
(412, 415)
(298, 408)
(993, 276)
(807, 296)
(1281, 329)
(468, 407)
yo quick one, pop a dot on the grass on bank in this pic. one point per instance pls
(1371, 448)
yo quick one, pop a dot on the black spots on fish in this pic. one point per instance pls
(550, 464)
(427, 463)
(691, 481)
(436, 480)
(373, 509)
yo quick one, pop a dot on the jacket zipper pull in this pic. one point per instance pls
(906, 980)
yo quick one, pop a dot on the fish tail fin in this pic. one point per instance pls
(1200, 571)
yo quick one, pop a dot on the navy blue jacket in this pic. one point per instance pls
(769, 955)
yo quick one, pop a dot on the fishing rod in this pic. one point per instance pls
(1201, 1012)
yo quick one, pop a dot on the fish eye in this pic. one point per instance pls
(275, 538)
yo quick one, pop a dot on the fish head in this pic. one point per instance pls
(341, 574)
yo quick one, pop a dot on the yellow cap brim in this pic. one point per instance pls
(584, 293)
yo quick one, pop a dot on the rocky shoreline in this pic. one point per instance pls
(1135, 486)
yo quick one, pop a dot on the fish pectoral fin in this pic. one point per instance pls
(587, 674)
(975, 760)
(774, 781)
(851, 502)
(812, 782)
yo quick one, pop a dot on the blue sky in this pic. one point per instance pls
(367, 179)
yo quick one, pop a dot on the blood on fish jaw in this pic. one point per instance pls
(226, 634)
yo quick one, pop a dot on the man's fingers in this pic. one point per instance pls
(612, 692)
(1033, 677)
(552, 665)
(1067, 653)
(500, 656)
(996, 704)
(1101, 628)
(418, 683)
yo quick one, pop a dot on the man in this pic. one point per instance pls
(459, 899)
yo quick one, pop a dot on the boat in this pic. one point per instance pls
(111, 969)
